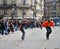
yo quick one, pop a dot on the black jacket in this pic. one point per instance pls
(2, 25)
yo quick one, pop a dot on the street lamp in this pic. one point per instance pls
(34, 10)
(14, 13)
(54, 8)
(23, 9)
(23, 13)
(4, 7)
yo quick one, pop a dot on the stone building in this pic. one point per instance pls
(51, 8)
(20, 9)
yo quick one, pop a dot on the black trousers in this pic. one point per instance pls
(48, 31)
(23, 33)
(1, 31)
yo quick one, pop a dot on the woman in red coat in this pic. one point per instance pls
(47, 24)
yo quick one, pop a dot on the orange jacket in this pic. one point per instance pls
(45, 23)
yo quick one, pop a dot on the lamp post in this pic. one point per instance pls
(34, 10)
(14, 12)
(23, 13)
(23, 9)
(47, 12)
(54, 8)
(4, 7)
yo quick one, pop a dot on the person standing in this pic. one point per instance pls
(2, 28)
(47, 24)
(11, 26)
(6, 26)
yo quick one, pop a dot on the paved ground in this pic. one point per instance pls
(34, 39)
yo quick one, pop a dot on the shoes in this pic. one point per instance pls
(22, 38)
(6, 33)
(47, 38)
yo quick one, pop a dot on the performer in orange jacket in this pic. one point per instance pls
(47, 24)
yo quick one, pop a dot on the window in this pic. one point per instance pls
(34, 1)
(54, 13)
(23, 12)
(5, 12)
(13, 1)
(5, 1)
(23, 1)
(40, 0)
(54, 0)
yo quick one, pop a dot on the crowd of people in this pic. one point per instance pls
(7, 26)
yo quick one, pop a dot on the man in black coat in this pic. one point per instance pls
(2, 28)
(20, 25)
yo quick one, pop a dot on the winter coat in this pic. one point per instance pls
(45, 23)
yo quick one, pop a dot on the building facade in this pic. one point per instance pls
(51, 8)
(22, 8)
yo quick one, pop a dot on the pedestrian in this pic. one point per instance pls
(2, 28)
(6, 26)
(20, 25)
(47, 24)
(11, 26)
